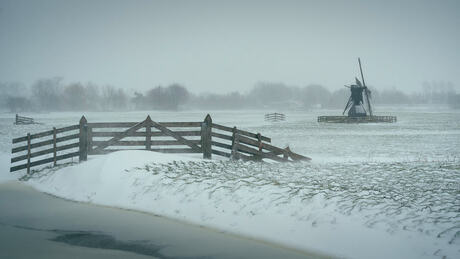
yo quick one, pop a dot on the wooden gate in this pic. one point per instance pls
(145, 135)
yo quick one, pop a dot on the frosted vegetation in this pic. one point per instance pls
(421, 197)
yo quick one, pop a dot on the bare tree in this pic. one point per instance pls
(167, 98)
(46, 93)
(114, 99)
(75, 97)
(269, 94)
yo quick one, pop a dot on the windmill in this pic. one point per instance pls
(360, 97)
(358, 106)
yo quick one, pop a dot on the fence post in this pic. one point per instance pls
(286, 152)
(148, 133)
(28, 153)
(206, 145)
(54, 146)
(259, 139)
(83, 139)
(16, 122)
(235, 142)
(89, 142)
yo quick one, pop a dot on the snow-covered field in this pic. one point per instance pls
(371, 191)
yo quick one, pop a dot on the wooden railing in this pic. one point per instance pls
(347, 119)
(249, 146)
(98, 138)
(54, 143)
(106, 137)
(275, 117)
(23, 120)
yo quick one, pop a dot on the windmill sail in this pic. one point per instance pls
(349, 103)
(366, 90)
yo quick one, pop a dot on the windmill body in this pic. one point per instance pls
(355, 104)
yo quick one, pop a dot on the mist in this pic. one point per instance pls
(53, 94)
(221, 47)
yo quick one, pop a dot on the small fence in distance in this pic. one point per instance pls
(98, 138)
(274, 117)
(21, 120)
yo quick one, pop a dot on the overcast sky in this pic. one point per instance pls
(222, 46)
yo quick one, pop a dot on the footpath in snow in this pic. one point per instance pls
(340, 209)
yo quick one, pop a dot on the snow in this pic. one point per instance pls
(371, 191)
(5, 174)
(301, 205)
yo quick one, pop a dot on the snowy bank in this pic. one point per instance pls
(340, 210)
(5, 174)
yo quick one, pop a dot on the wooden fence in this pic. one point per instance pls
(364, 119)
(48, 143)
(23, 120)
(98, 138)
(275, 117)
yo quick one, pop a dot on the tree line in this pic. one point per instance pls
(53, 94)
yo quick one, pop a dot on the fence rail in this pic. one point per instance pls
(347, 119)
(48, 146)
(23, 120)
(275, 117)
(99, 138)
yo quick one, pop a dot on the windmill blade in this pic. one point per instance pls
(348, 104)
(364, 108)
(361, 70)
(358, 82)
(367, 93)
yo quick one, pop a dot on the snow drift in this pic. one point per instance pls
(339, 209)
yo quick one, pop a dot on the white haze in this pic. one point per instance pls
(222, 46)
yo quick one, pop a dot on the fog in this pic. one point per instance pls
(222, 47)
(253, 149)
(54, 94)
